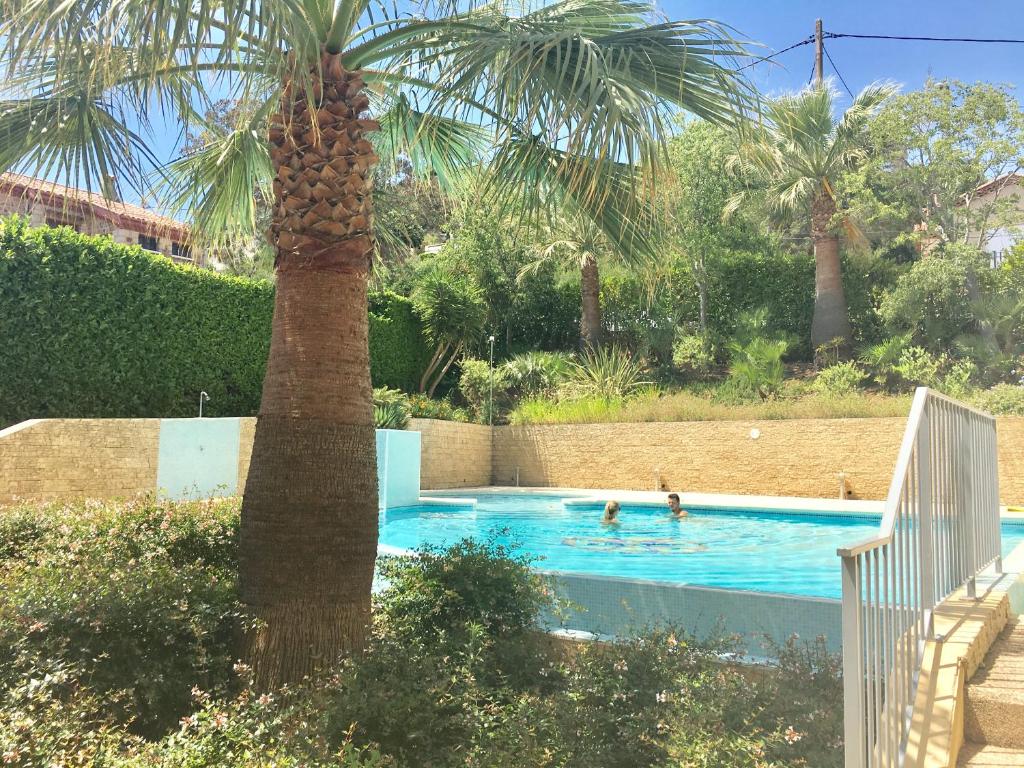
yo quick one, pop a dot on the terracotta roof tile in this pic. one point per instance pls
(124, 215)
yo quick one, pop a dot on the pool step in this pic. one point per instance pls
(994, 715)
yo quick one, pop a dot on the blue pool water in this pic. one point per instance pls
(764, 551)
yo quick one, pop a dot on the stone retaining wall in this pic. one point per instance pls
(55, 458)
(796, 457)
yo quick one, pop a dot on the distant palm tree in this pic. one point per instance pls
(579, 244)
(564, 102)
(793, 160)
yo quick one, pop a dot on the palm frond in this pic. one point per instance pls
(218, 186)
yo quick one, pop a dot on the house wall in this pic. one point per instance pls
(38, 213)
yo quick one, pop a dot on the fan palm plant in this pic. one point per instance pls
(793, 160)
(580, 244)
(562, 103)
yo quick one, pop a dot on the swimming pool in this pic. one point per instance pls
(791, 553)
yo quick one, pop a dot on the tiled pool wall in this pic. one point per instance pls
(618, 607)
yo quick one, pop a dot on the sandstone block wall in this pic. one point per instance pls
(1010, 441)
(454, 455)
(53, 458)
(56, 458)
(800, 457)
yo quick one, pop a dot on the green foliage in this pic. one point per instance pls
(1001, 400)
(609, 372)
(391, 408)
(839, 380)
(755, 368)
(533, 374)
(90, 328)
(398, 348)
(933, 300)
(134, 603)
(475, 386)
(693, 353)
(755, 358)
(455, 673)
(423, 407)
(918, 366)
(449, 594)
(881, 359)
(929, 150)
(94, 329)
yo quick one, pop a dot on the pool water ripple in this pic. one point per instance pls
(749, 549)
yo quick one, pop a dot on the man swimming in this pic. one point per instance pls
(674, 508)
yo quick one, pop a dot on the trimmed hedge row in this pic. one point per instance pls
(89, 328)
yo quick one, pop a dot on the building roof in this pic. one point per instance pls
(1007, 179)
(122, 215)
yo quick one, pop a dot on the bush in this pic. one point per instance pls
(839, 380)
(398, 347)
(756, 368)
(94, 329)
(454, 673)
(475, 384)
(534, 374)
(135, 604)
(424, 407)
(1001, 400)
(609, 372)
(693, 353)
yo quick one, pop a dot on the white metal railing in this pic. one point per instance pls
(940, 528)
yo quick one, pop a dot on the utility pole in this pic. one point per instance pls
(819, 46)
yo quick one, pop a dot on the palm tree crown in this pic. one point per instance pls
(536, 92)
(564, 105)
(792, 160)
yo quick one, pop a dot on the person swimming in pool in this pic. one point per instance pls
(611, 513)
(677, 512)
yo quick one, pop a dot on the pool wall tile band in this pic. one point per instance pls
(197, 458)
(620, 607)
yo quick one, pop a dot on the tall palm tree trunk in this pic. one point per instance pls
(309, 515)
(590, 288)
(831, 319)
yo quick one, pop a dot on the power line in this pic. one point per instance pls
(927, 39)
(838, 73)
(807, 40)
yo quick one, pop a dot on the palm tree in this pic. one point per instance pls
(793, 160)
(562, 103)
(579, 244)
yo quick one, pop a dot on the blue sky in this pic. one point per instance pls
(780, 23)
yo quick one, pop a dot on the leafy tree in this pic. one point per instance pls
(452, 309)
(568, 99)
(695, 194)
(795, 159)
(930, 150)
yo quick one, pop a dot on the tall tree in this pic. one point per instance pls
(579, 244)
(794, 160)
(565, 101)
(930, 151)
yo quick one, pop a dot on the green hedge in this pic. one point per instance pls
(93, 329)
